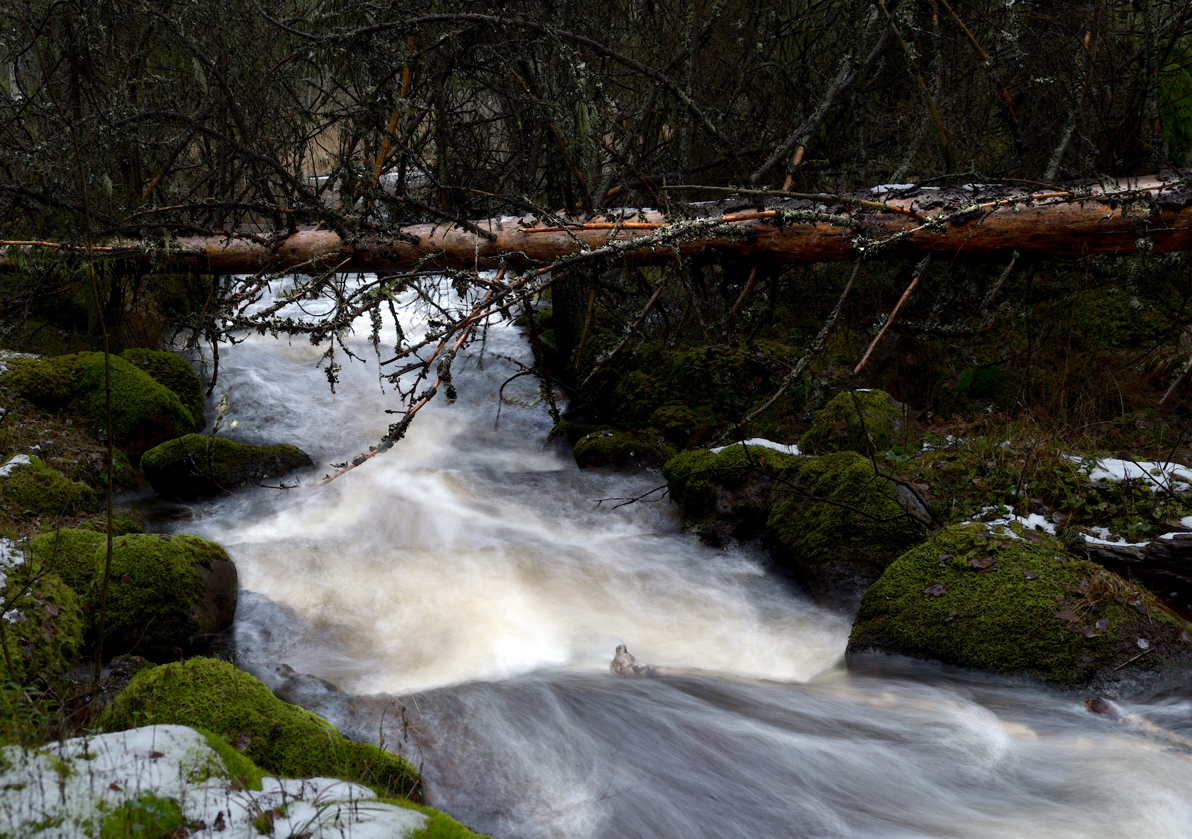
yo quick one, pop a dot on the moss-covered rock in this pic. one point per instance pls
(725, 495)
(166, 594)
(620, 449)
(859, 421)
(70, 553)
(144, 412)
(1017, 602)
(43, 627)
(836, 524)
(282, 739)
(181, 468)
(175, 373)
(36, 489)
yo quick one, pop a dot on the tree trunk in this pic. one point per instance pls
(983, 221)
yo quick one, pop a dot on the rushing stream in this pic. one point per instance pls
(466, 592)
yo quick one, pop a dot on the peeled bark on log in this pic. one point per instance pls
(1153, 213)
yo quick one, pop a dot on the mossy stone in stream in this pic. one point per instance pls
(70, 553)
(837, 524)
(620, 449)
(144, 412)
(1014, 601)
(171, 370)
(37, 489)
(181, 468)
(282, 739)
(43, 624)
(166, 594)
(860, 421)
(725, 495)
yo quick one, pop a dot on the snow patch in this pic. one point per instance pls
(13, 462)
(882, 189)
(1103, 536)
(10, 558)
(1003, 517)
(1165, 476)
(62, 791)
(764, 443)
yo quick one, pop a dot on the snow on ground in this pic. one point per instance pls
(1157, 475)
(13, 462)
(1003, 517)
(65, 790)
(764, 443)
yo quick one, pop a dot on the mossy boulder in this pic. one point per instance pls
(70, 553)
(181, 468)
(1014, 601)
(167, 595)
(144, 412)
(175, 373)
(859, 421)
(620, 449)
(282, 739)
(836, 524)
(725, 495)
(683, 426)
(43, 624)
(37, 489)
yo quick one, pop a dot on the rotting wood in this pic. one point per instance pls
(1153, 213)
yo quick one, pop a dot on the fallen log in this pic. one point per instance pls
(1152, 213)
(1166, 557)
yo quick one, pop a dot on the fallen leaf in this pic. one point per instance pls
(125, 579)
(1102, 625)
(1067, 615)
(1074, 627)
(156, 755)
(951, 616)
(1089, 632)
(1144, 644)
(50, 609)
(1030, 575)
(983, 563)
(1083, 585)
(935, 590)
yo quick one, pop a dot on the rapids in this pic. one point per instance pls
(466, 592)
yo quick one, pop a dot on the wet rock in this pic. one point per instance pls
(725, 496)
(182, 469)
(167, 595)
(280, 738)
(175, 373)
(624, 664)
(836, 524)
(860, 421)
(621, 449)
(1016, 605)
(144, 412)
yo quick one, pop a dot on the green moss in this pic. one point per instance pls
(180, 468)
(175, 373)
(683, 426)
(860, 421)
(70, 553)
(154, 589)
(703, 484)
(37, 489)
(837, 522)
(1010, 605)
(282, 739)
(44, 629)
(144, 817)
(439, 825)
(239, 767)
(622, 448)
(144, 412)
(1114, 318)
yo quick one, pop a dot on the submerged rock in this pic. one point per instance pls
(280, 738)
(1014, 601)
(860, 421)
(144, 411)
(836, 524)
(173, 780)
(182, 469)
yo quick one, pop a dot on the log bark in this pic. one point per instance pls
(1152, 213)
(1169, 556)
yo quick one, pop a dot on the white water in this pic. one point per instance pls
(466, 593)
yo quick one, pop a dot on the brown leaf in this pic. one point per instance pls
(935, 590)
(1102, 625)
(1067, 615)
(1089, 632)
(951, 616)
(50, 609)
(1083, 585)
(125, 579)
(241, 742)
(156, 755)
(983, 563)
(1074, 627)
(1030, 575)
(116, 787)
